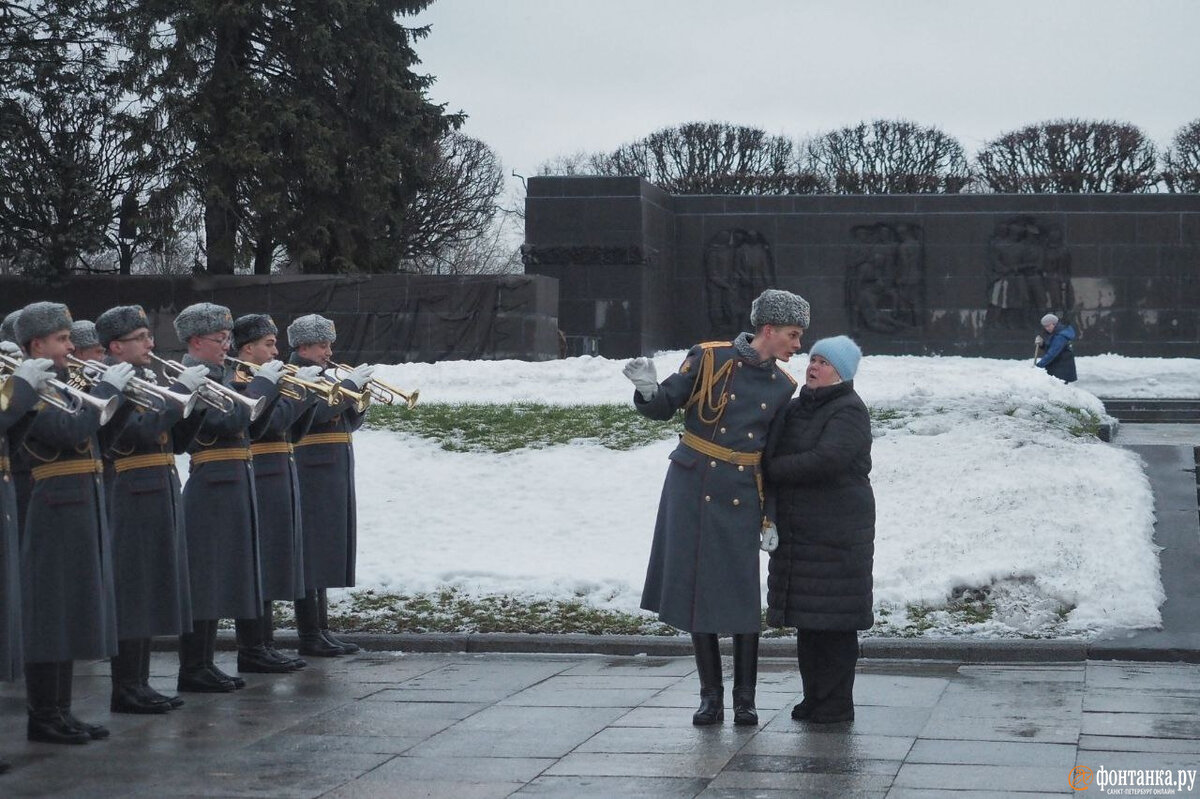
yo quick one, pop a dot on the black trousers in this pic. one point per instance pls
(827, 659)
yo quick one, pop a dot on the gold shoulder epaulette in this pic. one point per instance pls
(708, 344)
(787, 374)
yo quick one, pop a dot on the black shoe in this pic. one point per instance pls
(315, 645)
(712, 707)
(347, 647)
(202, 681)
(127, 699)
(54, 729)
(802, 711)
(744, 711)
(152, 695)
(296, 663)
(96, 732)
(258, 660)
(832, 714)
(238, 682)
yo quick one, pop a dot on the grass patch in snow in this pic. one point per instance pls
(503, 428)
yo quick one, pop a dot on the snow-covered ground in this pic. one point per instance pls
(975, 489)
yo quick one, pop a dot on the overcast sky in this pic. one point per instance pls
(541, 78)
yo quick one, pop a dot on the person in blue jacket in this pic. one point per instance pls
(1054, 349)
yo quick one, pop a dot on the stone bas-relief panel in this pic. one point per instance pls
(738, 266)
(885, 277)
(1029, 272)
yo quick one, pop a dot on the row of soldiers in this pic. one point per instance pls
(101, 549)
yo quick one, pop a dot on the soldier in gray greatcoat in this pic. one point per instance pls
(150, 564)
(86, 341)
(281, 537)
(219, 501)
(68, 608)
(703, 575)
(18, 396)
(325, 465)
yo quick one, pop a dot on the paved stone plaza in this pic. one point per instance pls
(494, 725)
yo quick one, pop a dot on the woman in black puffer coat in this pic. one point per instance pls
(817, 463)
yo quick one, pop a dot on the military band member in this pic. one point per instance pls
(703, 575)
(86, 341)
(68, 609)
(150, 564)
(281, 540)
(218, 500)
(8, 328)
(325, 464)
(18, 396)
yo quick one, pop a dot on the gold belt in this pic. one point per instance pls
(221, 454)
(721, 453)
(63, 468)
(271, 448)
(324, 438)
(5, 464)
(143, 461)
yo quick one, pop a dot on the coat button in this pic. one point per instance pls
(733, 396)
(737, 502)
(722, 429)
(712, 464)
(707, 499)
(751, 435)
(741, 468)
(772, 375)
(763, 406)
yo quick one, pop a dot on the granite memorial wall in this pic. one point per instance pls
(640, 270)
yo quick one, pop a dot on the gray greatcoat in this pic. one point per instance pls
(145, 513)
(17, 400)
(220, 512)
(68, 606)
(327, 500)
(703, 574)
(281, 534)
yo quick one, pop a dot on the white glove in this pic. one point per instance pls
(192, 377)
(35, 372)
(361, 375)
(640, 372)
(118, 375)
(1037, 340)
(271, 370)
(770, 538)
(309, 373)
(10, 349)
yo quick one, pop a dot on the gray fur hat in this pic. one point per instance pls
(40, 319)
(311, 329)
(119, 322)
(779, 307)
(201, 319)
(8, 328)
(252, 327)
(83, 334)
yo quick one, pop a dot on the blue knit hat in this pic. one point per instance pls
(841, 352)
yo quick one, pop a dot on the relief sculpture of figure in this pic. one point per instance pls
(1029, 272)
(885, 277)
(737, 268)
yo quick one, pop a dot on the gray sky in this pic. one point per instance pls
(541, 78)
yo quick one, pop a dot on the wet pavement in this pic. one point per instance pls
(495, 725)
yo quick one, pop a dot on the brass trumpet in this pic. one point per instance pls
(78, 398)
(380, 391)
(217, 395)
(146, 395)
(290, 385)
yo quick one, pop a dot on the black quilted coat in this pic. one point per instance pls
(817, 462)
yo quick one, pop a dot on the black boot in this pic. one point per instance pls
(712, 692)
(745, 677)
(308, 629)
(210, 654)
(194, 675)
(323, 619)
(126, 668)
(253, 655)
(144, 680)
(268, 637)
(66, 677)
(46, 722)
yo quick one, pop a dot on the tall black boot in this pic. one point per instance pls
(712, 691)
(46, 722)
(144, 680)
(323, 617)
(194, 675)
(253, 655)
(804, 710)
(745, 677)
(66, 678)
(126, 667)
(210, 654)
(308, 628)
(268, 636)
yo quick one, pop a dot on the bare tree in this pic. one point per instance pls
(1181, 162)
(888, 157)
(1070, 156)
